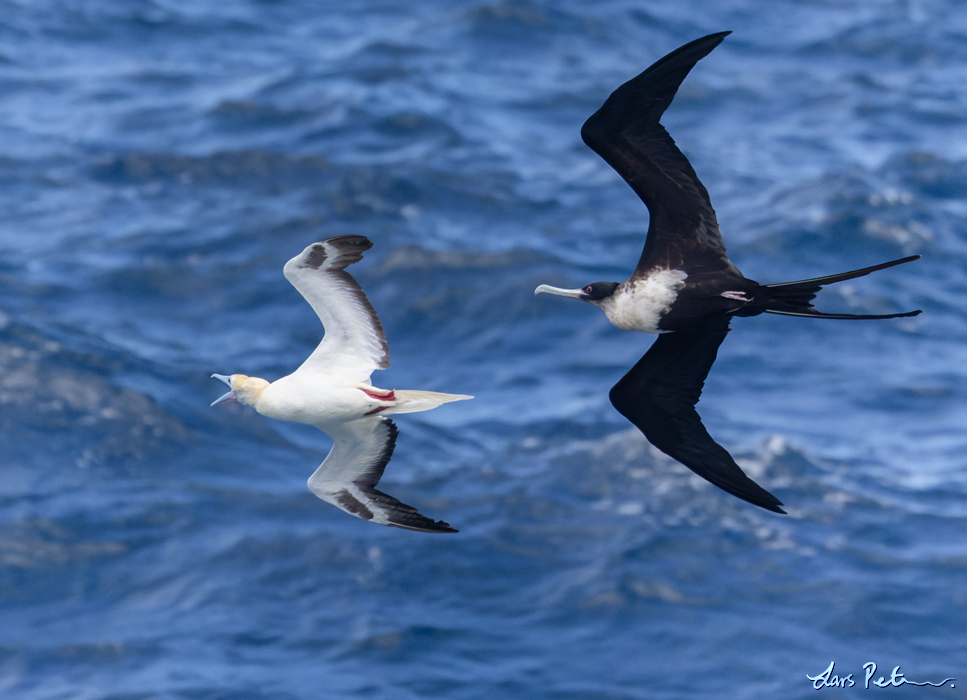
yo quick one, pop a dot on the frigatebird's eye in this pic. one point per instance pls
(588, 289)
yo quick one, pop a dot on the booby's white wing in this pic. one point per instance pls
(354, 341)
(347, 478)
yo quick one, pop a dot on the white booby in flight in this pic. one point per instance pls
(332, 391)
(684, 287)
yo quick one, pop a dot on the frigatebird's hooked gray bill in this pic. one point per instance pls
(684, 288)
(332, 390)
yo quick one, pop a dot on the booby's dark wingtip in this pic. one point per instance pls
(434, 528)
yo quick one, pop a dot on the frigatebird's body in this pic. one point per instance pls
(684, 286)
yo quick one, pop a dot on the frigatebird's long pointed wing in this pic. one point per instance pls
(659, 395)
(354, 343)
(348, 476)
(626, 133)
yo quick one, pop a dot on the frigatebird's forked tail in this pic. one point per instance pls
(794, 298)
(659, 395)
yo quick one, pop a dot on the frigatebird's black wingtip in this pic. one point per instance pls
(644, 98)
(773, 506)
(729, 477)
(715, 35)
(705, 44)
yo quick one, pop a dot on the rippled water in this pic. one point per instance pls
(160, 161)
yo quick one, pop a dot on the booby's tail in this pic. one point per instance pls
(413, 401)
(793, 298)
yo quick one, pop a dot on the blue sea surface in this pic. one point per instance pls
(160, 160)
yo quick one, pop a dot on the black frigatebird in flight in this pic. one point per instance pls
(684, 288)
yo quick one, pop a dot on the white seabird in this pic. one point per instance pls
(332, 390)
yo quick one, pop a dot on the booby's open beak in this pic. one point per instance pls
(230, 396)
(548, 289)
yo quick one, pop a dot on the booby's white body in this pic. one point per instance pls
(324, 402)
(313, 399)
(331, 390)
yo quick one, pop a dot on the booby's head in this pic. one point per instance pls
(594, 293)
(244, 389)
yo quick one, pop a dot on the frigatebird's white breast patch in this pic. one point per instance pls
(639, 303)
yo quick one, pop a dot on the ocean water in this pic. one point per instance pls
(160, 160)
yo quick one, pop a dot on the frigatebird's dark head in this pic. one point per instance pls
(594, 293)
